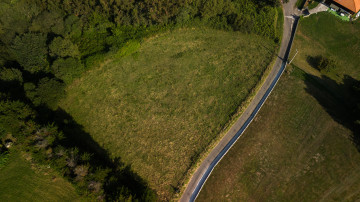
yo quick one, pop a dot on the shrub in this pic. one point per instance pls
(322, 63)
(30, 51)
(67, 69)
(4, 157)
(11, 74)
(14, 115)
(63, 47)
(326, 64)
(48, 92)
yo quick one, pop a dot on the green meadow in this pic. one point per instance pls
(161, 105)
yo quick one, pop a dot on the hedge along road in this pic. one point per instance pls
(197, 181)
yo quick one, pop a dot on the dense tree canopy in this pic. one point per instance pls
(30, 51)
(14, 116)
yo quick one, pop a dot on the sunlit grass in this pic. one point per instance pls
(160, 107)
(20, 181)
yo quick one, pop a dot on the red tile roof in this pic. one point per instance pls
(353, 5)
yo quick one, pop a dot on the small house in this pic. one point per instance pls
(346, 6)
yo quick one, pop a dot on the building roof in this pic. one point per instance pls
(353, 5)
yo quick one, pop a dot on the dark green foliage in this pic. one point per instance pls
(241, 15)
(14, 116)
(73, 27)
(48, 91)
(30, 90)
(30, 51)
(63, 48)
(11, 81)
(48, 21)
(300, 4)
(93, 38)
(92, 42)
(4, 54)
(11, 74)
(46, 42)
(94, 60)
(4, 157)
(326, 64)
(67, 69)
(322, 63)
(15, 18)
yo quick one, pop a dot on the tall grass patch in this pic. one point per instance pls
(158, 107)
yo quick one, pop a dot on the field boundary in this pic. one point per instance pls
(239, 111)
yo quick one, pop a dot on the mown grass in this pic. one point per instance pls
(21, 181)
(297, 149)
(160, 107)
(293, 151)
(324, 34)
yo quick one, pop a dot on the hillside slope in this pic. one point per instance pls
(160, 107)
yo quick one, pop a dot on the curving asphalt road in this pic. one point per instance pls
(204, 170)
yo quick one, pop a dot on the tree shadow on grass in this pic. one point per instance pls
(121, 180)
(313, 61)
(340, 100)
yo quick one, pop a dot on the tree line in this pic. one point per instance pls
(46, 44)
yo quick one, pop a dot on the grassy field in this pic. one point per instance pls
(160, 107)
(297, 149)
(324, 34)
(293, 151)
(21, 181)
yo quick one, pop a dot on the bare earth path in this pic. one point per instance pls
(197, 181)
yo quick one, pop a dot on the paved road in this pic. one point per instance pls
(204, 170)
